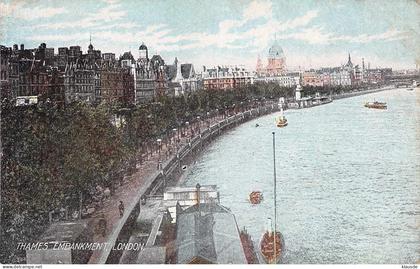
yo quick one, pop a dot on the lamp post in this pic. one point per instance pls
(186, 126)
(174, 135)
(199, 123)
(159, 142)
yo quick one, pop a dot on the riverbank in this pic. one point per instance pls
(157, 176)
(358, 93)
(152, 177)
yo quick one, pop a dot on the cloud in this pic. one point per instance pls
(18, 11)
(299, 21)
(317, 35)
(101, 19)
(251, 31)
(257, 9)
(60, 37)
(389, 35)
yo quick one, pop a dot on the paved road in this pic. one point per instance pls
(130, 192)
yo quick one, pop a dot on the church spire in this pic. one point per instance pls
(90, 42)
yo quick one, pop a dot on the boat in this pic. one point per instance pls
(281, 120)
(410, 89)
(272, 242)
(376, 105)
(255, 197)
(268, 249)
(248, 245)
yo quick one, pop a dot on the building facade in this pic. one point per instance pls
(225, 78)
(67, 76)
(5, 86)
(276, 62)
(182, 78)
(150, 76)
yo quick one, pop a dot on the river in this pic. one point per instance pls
(347, 179)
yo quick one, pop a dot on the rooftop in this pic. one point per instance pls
(208, 233)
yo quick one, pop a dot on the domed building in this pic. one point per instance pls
(276, 62)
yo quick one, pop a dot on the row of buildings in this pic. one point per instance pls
(345, 75)
(64, 77)
(92, 77)
(69, 74)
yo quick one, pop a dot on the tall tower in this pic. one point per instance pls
(276, 60)
(90, 47)
(143, 52)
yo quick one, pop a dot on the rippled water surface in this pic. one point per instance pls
(347, 183)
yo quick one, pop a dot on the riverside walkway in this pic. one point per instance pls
(133, 188)
(136, 185)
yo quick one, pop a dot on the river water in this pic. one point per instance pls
(347, 179)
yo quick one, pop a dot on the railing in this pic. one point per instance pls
(157, 180)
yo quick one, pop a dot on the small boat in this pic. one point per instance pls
(376, 105)
(281, 120)
(410, 89)
(255, 197)
(248, 245)
(272, 241)
(270, 253)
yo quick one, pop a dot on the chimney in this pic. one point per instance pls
(22, 47)
(15, 47)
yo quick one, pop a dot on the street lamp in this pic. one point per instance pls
(174, 129)
(186, 126)
(199, 123)
(159, 142)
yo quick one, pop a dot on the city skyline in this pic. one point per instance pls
(225, 32)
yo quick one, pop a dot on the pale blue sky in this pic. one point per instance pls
(312, 33)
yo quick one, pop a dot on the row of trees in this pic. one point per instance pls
(52, 155)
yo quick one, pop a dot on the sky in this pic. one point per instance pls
(312, 33)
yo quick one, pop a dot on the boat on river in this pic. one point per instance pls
(281, 120)
(272, 242)
(270, 253)
(376, 105)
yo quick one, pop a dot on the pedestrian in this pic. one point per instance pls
(121, 208)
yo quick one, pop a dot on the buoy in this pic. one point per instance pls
(255, 197)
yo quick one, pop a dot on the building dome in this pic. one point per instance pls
(142, 47)
(275, 51)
